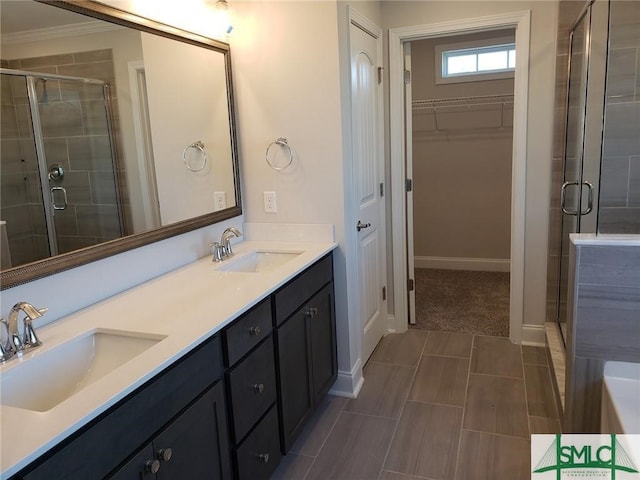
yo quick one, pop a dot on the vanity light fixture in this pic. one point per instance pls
(223, 18)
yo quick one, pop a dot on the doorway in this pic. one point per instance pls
(459, 105)
(520, 21)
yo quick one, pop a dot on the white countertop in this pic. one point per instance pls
(187, 305)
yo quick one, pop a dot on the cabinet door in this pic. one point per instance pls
(323, 342)
(198, 441)
(296, 394)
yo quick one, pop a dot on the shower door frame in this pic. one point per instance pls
(36, 126)
(587, 162)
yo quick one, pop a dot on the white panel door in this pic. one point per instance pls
(411, 274)
(368, 178)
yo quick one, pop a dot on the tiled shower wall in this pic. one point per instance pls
(603, 320)
(75, 135)
(619, 210)
(619, 196)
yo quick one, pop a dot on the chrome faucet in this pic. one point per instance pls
(15, 344)
(222, 249)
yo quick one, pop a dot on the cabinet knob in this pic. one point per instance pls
(152, 466)
(312, 311)
(263, 457)
(165, 454)
(254, 331)
(258, 388)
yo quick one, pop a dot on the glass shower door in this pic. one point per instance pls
(573, 187)
(21, 205)
(583, 134)
(76, 156)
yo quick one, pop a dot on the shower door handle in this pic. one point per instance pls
(54, 204)
(589, 199)
(563, 195)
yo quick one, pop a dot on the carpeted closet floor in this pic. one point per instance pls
(462, 301)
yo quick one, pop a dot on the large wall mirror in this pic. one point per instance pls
(117, 131)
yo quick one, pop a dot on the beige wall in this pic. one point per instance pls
(462, 170)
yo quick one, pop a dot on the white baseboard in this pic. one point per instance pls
(459, 263)
(533, 335)
(348, 384)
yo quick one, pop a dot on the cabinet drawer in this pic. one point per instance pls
(253, 388)
(248, 331)
(259, 455)
(289, 298)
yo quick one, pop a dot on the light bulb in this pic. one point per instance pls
(223, 19)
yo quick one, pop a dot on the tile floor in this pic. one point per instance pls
(436, 406)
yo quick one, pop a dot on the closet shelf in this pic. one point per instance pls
(493, 105)
(474, 101)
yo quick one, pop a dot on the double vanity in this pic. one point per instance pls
(209, 371)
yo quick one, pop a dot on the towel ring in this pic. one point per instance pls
(282, 142)
(200, 147)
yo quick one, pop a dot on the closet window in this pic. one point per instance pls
(474, 62)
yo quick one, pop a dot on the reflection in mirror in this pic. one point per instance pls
(108, 132)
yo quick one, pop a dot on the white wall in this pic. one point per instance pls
(195, 77)
(540, 116)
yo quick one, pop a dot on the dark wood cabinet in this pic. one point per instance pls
(194, 445)
(306, 349)
(103, 445)
(228, 409)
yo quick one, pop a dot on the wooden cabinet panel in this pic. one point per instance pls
(252, 387)
(259, 454)
(198, 441)
(324, 361)
(194, 445)
(249, 330)
(295, 388)
(295, 293)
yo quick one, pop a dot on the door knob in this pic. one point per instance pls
(361, 225)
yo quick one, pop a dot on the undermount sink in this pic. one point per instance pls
(46, 380)
(258, 261)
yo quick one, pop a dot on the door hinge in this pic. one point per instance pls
(382, 189)
(384, 293)
(408, 185)
(380, 75)
(407, 77)
(410, 284)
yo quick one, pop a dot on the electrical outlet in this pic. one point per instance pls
(270, 205)
(220, 200)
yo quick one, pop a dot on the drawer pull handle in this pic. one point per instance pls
(152, 466)
(165, 454)
(312, 311)
(258, 388)
(254, 331)
(263, 457)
